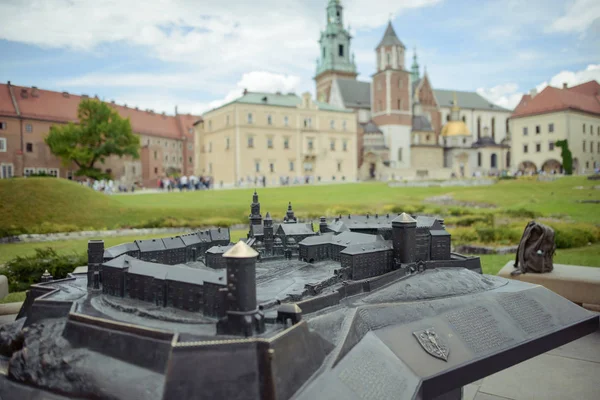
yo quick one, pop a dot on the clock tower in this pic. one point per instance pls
(335, 59)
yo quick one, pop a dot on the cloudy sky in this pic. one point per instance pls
(198, 53)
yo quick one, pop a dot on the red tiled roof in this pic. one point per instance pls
(62, 107)
(584, 97)
(591, 88)
(6, 105)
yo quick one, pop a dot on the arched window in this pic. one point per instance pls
(478, 128)
(464, 119)
(508, 159)
(494, 128)
(507, 127)
(494, 161)
(400, 154)
(389, 58)
(479, 159)
(447, 117)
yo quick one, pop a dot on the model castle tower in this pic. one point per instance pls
(255, 217)
(404, 229)
(95, 258)
(243, 317)
(268, 233)
(290, 218)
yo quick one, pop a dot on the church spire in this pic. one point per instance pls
(289, 215)
(255, 217)
(455, 112)
(390, 38)
(414, 74)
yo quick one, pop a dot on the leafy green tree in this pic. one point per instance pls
(100, 133)
(567, 157)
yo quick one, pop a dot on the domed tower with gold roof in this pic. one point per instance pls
(455, 132)
(457, 141)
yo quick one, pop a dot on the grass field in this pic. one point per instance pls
(42, 205)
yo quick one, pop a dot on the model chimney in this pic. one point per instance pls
(565, 85)
(95, 258)
(35, 92)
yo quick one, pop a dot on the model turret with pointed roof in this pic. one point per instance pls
(290, 218)
(255, 217)
(268, 233)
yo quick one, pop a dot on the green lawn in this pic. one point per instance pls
(9, 251)
(588, 256)
(49, 205)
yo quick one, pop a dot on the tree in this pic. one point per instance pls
(100, 133)
(567, 157)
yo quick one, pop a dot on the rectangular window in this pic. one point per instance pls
(210, 147)
(227, 143)
(155, 155)
(583, 128)
(341, 50)
(591, 147)
(538, 147)
(286, 120)
(2, 126)
(339, 166)
(29, 147)
(210, 168)
(269, 120)
(2, 145)
(249, 118)
(399, 104)
(550, 128)
(583, 146)
(133, 169)
(227, 120)
(525, 148)
(271, 167)
(310, 144)
(257, 166)
(209, 125)
(345, 145)
(29, 171)
(332, 124)
(400, 154)
(537, 129)
(250, 142)
(525, 132)
(6, 171)
(332, 145)
(28, 128)
(270, 142)
(344, 125)
(286, 142)
(156, 170)
(53, 172)
(307, 122)
(551, 146)
(190, 160)
(291, 166)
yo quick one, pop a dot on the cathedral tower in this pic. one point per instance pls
(391, 106)
(335, 60)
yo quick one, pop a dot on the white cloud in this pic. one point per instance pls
(508, 95)
(255, 81)
(379, 12)
(579, 15)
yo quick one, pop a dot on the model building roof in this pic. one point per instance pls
(351, 238)
(297, 229)
(121, 262)
(367, 221)
(150, 245)
(204, 236)
(116, 251)
(325, 238)
(190, 239)
(173, 243)
(219, 249)
(219, 234)
(368, 247)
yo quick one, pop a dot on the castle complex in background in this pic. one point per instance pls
(407, 129)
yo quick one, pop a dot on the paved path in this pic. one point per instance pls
(571, 371)
(568, 372)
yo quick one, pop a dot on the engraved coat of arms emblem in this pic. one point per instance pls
(432, 343)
